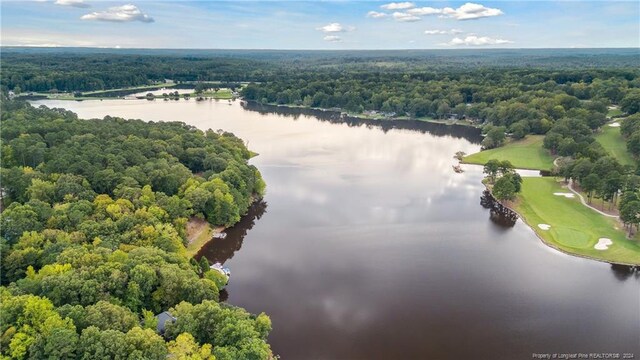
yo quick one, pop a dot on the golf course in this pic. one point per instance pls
(611, 139)
(527, 153)
(563, 222)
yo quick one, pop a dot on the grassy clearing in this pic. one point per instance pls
(575, 228)
(527, 153)
(614, 112)
(199, 232)
(222, 94)
(611, 139)
(432, 120)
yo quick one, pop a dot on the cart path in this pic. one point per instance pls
(587, 205)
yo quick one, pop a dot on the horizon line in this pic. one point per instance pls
(316, 49)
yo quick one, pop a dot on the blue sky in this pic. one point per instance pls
(320, 24)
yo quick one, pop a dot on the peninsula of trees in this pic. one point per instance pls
(93, 238)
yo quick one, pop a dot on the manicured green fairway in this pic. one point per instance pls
(614, 112)
(611, 139)
(574, 228)
(222, 94)
(527, 153)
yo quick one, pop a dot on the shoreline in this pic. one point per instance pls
(365, 117)
(207, 232)
(192, 95)
(125, 97)
(518, 168)
(204, 233)
(552, 245)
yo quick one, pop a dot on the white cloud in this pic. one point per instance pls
(424, 11)
(124, 13)
(332, 38)
(436, 32)
(443, 32)
(467, 11)
(470, 11)
(74, 3)
(49, 45)
(474, 40)
(405, 17)
(376, 15)
(398, 6)
(335, 28)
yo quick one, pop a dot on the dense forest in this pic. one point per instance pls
(530, 98)
(93, 238)
(78, 69)
(103, 72)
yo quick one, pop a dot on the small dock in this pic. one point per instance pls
(220, 235)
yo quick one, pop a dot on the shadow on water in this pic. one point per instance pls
(624, 272)
(498, 213)
(223, 296)
(221, 250)
(469, 133)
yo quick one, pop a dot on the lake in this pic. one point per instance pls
(368, 246)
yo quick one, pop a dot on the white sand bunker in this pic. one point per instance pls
(544, 226)
(603, 244)
(567, 195)
(615, 124)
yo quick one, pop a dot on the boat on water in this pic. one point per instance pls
(221, 269)
(220, 235)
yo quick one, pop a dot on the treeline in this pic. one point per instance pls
(82, 72)
(598, 174)
(630, 129)
(584, 160)
(93, 238)
(522, 100)
(72, 70)
(607, 180)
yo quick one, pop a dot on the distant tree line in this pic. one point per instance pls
(78, 73)
(521, 101)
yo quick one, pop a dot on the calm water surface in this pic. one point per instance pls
(368, 246)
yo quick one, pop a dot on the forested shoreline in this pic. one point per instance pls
(93, 238)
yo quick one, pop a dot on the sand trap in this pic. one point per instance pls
(567, 195)
(603, 244)
(615, 124)
(544, 226)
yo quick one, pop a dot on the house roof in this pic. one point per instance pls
(162, 320)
